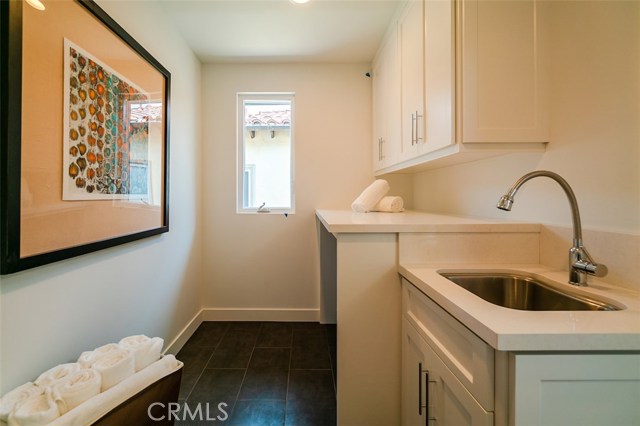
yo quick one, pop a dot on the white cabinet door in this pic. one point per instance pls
(469, 358)
(504, 71)
(575, 389)
(454, 405)
(379, 77)
(430, 390)
(439, 74)
(411, 34)
(386, 103)
(414, 363)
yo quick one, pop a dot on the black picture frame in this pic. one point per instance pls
(11, 56)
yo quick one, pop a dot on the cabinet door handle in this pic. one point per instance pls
(426, 397)
(417, 136)
(413, 129)
(426, 393)
(381, 151)
(420, 388)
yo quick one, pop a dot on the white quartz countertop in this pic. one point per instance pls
(514, 330)
(347, 221)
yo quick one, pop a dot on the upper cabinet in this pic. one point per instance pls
(472, 78)
(411, 35)
(386, 102)
(503, 77)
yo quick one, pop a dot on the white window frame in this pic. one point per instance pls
(243, 97)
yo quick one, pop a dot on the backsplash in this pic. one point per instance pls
(619, 252)
(469, 247)
(550, 247)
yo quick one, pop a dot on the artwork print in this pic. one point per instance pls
(105, 153)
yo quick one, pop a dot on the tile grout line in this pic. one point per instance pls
(228, 332)
(286, 395)
(206, 363)
(235, 402)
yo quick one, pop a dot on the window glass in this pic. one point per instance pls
(265, 144)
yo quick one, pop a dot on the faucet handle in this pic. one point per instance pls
(582, 264)
(595, 269)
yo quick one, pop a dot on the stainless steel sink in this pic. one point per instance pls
(527, 293)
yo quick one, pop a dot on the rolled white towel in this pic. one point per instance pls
(17, 396)
(38, 410)
(146, 350)
(370, 196)
(114, 367)
(95, 408)
(392, 204)
(76, 388)
(56, 373)
(89, 357)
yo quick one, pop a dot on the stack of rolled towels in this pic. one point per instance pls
(375, 199)
(66, 386)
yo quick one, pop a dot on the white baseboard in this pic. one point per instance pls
(185, 334)
(245, 314)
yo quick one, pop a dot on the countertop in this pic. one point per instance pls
(347, 221)
(503, 328)
(514, 330)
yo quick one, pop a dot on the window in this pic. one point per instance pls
(265, 153)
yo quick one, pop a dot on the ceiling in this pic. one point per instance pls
(331, 31)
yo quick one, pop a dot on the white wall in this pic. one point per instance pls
(595, 131)
(50, 314)
(264, 261)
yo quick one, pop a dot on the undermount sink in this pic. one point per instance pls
(523, 292)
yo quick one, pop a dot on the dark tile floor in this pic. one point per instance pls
(267, 373)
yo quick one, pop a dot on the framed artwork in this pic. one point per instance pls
(84, 122)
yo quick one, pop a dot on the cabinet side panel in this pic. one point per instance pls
(369, 306)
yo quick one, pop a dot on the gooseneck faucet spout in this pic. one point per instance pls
(580, 262)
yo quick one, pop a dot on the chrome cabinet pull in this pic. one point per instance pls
(420, 389)
(380, 154)
(426, 394)
(413, 129)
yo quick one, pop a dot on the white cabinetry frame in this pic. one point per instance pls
(469, 383)
(473, 82)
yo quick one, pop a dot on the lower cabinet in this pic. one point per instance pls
(431, 394)
(451, 377)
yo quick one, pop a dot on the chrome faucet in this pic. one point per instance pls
(580, 262)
